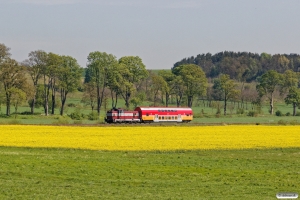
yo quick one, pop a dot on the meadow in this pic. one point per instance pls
(207, 162)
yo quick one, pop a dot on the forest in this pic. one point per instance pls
(241, 79)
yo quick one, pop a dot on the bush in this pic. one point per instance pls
(252, 114)
(240, 111)
(288, 114)
(93, 116)
(71, 105)
(61, 121)
(77, 115)
(294, 122)
(297, 113)
(282, 122)
(278, 113)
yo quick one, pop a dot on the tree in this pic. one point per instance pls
(4, 52)
(267, 85)
(293, 97)
(158, 85)
(227, 88)
(54, 63)
(169, 78)
(12, 76)
(99, 65)
(90, 95)
(290, 84)
(69, 78)
(133, 72)
(178, 89)
(17, 97)
(194, 80)
(35, 65)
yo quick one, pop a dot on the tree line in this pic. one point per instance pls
(40, 78)
(242, 66)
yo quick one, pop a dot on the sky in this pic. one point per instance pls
(160, 32)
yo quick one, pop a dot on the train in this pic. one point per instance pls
(149, 115)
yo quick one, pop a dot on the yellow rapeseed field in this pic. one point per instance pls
(150, 138)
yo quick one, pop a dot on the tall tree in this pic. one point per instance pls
(194, 80)
(69, 78)
(54, 63)
(290, 85)
(169, 78)
(35, 65)
(134, 71)
(89, 96)
(268, 83)
(99, 65)
(227, 88)
(12, 76)
(158, 85)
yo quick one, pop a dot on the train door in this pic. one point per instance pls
(156, 118)
(179, 118)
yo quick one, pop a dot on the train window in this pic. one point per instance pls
(159, 117)
(158, 110)
(172, 117)
(168, 110)
(163, 117)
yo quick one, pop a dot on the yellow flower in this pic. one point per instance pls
(151, 138)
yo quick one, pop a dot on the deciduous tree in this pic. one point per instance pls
(69, 78)
(133, 72)
(268, 83)
(227, 88)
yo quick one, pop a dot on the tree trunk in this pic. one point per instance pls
(53, 97)
(45, 97)
(167, 99)
(190, 101)
(271, 106)
(225, 106)
(294, 109)
(63, 100)
(32, 105)
(7, 105)
(98, 100)
(53, 103)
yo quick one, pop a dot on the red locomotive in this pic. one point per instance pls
(149, 114)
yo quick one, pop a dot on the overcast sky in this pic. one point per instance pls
(160, 32)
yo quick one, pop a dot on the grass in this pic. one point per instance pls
(29, 173)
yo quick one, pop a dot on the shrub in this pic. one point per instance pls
(93, 116)
(282, 122)
(252, 114)
(297, 113)
(76, 115)
(78, 122)
(278, 113)
(71, 105)
(240, 111)
(294, 122)
(288, 114)
(61, 121)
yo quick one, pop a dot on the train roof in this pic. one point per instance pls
(163, 108)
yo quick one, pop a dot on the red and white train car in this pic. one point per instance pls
(149, 114)
(165, 114)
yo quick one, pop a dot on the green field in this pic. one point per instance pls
(28, 173)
